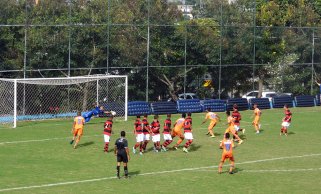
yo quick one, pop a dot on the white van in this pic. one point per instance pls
(255, 94)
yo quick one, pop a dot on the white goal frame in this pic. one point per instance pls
(59, 81)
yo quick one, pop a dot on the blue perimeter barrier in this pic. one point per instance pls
(262, 103)
(214, 104)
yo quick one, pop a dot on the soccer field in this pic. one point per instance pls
(36, 157)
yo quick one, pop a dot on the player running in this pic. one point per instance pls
(154, 128)
(77, 129)
(257, 115)
(227, 145)
(138, 131)
(108, 125)
(237, 118)
(214, 119)
(167, 132)
(122, 153)
(286, 120)
(146, 132)
(231, 127)
(177, 131)
(188, 132)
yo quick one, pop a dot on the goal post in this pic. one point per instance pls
(52, 98)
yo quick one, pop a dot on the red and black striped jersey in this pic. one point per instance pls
(155, 127)
(138, 126)
(145, 126)
(108, 125)
(188, 124)
(237, 117)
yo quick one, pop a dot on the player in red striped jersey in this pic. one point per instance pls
(188, 132)
(146, 131)
(108, 125)
(154, 128)
(237, 120)
(138, 131)
(286, 120)
(167, 132)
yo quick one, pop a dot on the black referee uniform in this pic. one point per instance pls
(121, 145)
(122, 153)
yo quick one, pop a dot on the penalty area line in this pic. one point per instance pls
(150, 173)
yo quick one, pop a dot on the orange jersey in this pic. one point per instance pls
(257, 115)
(212, 116)
(227, 146)
(230, 121)
(79, 122)
(179, 124)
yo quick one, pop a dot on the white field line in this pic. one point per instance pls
(40, 140)
(60, 138)
(268, 170)
(150, 173)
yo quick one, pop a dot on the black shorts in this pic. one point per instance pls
(122, 157)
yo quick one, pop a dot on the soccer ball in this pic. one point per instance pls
(113, 113)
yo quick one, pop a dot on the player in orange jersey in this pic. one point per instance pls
(286, 120)
(257, 115)
(177, 130)
(227, 145)
(214, 120)
(77, 129)
(231, 127)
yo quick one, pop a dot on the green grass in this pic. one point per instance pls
(52, 160)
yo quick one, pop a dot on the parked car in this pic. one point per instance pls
(185, 96)
(255, 94)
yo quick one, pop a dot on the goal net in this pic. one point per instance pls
(51, 98)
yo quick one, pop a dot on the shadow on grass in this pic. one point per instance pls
(86, 144)
(194, 147)
(291, 133)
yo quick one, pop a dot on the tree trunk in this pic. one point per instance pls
(260, 87)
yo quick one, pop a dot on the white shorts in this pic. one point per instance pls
(139, 137)
(188, 135)
(236, 127)
(146, 137)
(106, 138)
(285, 124)
(156, 138)
(167, 137)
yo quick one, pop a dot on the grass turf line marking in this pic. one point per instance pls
(40, 140)
(150, 173)
(267, 170)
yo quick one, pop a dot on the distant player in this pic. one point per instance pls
(177, 131)
(237, 119)
(122, 152)
(108, 126)
(154, 128)
(286, 121)
(146, 132)
(227, 145)
(77, 129)
(167, 132)
(214, 118)
(231, 127)
(257, 115)
(188, 132)
(138, 131)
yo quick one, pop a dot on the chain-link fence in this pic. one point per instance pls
(168, 46)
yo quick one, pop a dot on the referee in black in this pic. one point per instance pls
(122, 153)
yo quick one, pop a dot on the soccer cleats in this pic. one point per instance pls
(134, 150)
(185, 149)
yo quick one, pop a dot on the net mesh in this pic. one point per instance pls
(61, 98)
